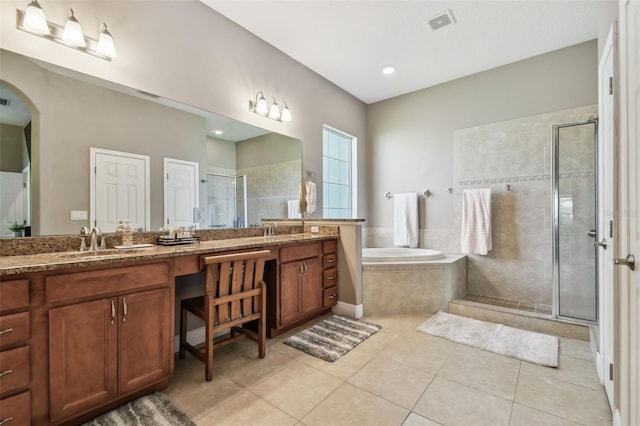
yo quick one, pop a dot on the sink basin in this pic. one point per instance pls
(98, 254)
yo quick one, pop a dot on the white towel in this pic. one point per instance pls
(311, 197)
(405, 219)
(476, 221)
(293, 209)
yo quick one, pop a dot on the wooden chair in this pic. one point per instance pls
(235, 293)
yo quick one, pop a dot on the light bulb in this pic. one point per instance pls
(105, 43)
(72, 34)
(34, 19)
(261, 105)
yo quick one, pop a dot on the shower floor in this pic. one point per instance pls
(508, 303)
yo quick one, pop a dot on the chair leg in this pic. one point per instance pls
(262, 331)
(209, 321)
(183, 331)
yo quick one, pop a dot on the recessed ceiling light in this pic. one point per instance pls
(388, 69)
(217, 132)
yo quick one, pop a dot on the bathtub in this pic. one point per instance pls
(399, 255)
(410, 281)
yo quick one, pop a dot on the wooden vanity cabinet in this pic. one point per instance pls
(103, 349)
(15, 373)
(301, 293)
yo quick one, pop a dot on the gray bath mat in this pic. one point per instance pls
(521, 344)
(333, 337)
(150, 410)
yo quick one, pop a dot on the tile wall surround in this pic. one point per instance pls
(515, 152)
(270, 187)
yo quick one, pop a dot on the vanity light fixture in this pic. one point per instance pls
(271, 110)
(34, 21)
(105, 43)
(72, 34)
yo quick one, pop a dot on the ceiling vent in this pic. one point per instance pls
(4, 102)
(441, 20)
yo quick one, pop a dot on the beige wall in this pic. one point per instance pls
(410, 138)
(220, 154)
(189, 53)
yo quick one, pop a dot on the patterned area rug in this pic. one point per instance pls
(497, 338)
(150, 410)
(333, 337)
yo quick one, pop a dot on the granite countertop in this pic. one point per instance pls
(10, 265)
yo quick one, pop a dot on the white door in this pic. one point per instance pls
(629, 201)
(11, 201)
(119, 189)
(181, 192)
(606, 205)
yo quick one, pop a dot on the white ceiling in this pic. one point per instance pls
(348, 42)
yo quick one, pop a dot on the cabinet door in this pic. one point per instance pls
(290, 274)
(145, 340)
(82, 356)
(311, 286)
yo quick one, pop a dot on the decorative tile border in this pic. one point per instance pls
(511, 179)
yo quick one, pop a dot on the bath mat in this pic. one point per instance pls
(333, 337)
(521, 344)
(150, 410)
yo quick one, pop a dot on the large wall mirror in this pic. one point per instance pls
(245, 173)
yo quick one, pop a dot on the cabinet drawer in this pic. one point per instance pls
(14, 294)
(330, 296)
(303, 251)
(17, 407)
(14, 369)
(14, 329)
(330, 246)
(329, 277)
(329, 260)
(106, 281)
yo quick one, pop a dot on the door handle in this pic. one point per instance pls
(629, 261)
(125, 310)
(602, 243)
(591, 233)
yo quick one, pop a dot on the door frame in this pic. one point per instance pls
(165, 174)
(607, 88)
(92, 182)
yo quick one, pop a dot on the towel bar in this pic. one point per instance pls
(388, 195)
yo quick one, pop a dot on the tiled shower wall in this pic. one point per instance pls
(515, 152)
(518, 153)
(270, 187)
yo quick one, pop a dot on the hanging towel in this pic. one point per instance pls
(405, 219)
(293, 209)
(311, 197)
(476, 221)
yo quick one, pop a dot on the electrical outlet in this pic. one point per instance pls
(315, 229)
(78, 215)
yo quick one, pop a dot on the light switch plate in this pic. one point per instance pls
(78, 215)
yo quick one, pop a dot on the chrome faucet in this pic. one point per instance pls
(272, 228)
(84, 231)
(95, 235)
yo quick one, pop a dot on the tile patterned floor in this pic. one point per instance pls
(396, 377)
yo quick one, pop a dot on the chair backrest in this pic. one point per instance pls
(233, 286)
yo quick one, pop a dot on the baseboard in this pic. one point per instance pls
(347, 309)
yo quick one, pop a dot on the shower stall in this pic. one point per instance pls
(574, 178)
(226, 201)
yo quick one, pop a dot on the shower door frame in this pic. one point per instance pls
(235, 192)
(555, 183)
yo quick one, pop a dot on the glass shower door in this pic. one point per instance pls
(574, 186)
(226, 201)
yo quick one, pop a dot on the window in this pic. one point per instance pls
(337, 172)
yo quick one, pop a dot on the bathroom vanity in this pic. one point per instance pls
(82, 334)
